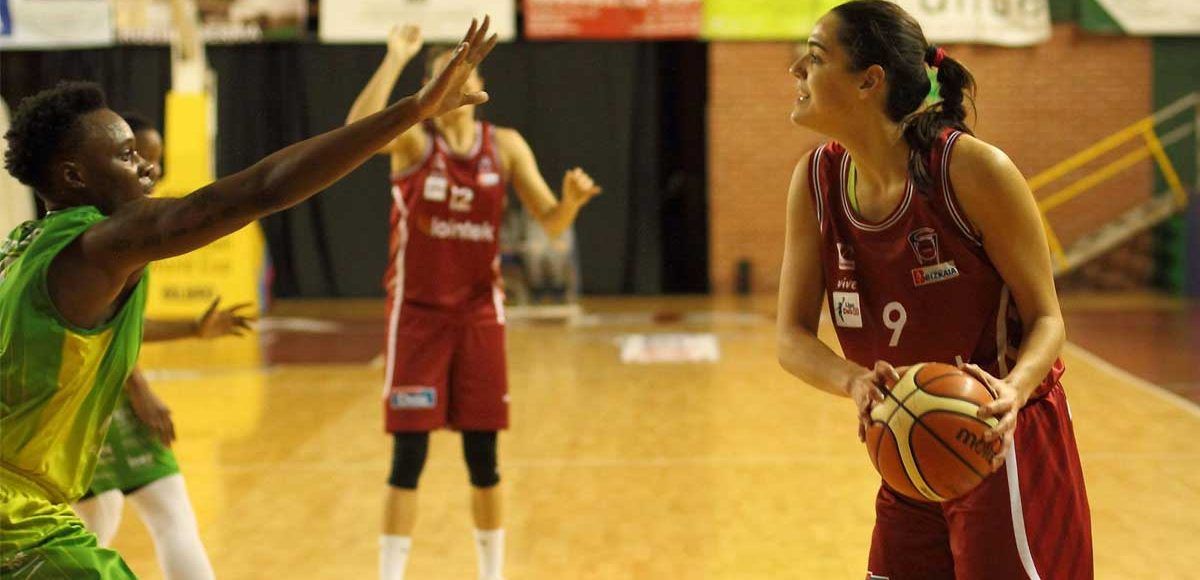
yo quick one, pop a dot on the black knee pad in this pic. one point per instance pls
(479, 449)
(408, 458)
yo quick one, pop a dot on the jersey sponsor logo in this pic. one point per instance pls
(924, 243)
(412, 398)
(467, 231)
(847, 284)
(487, 176)
(845, 256)
(935, 273)
(847, 311)
(436, 187)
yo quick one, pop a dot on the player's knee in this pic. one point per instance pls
(408, 458)
(479, 449)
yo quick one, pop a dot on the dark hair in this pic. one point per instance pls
(137, 122)
(880, 32)
(43, 125)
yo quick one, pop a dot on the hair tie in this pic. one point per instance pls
(939, 53)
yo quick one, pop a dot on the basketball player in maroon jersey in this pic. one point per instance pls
(445, 359)
(928, 246)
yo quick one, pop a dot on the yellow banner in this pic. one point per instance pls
(232, 267)
(763, 19)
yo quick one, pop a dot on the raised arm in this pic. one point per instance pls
(91, 273)
(553, 215)
(403, 43)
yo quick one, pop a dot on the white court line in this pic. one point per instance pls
(1177, 400)
(647, 462)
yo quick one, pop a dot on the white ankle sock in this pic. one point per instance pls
(393, 556)
(490, 546)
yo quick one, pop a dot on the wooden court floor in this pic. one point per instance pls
(727, 469)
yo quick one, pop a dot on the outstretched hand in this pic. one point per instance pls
(404, 41)
(444, 93)
(216, 323)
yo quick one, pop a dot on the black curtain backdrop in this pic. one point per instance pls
(631, 114)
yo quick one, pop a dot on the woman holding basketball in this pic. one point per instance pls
(929, 247)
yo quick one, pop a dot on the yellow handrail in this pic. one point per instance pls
(1153, 147)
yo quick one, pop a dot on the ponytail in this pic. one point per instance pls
(956, 89)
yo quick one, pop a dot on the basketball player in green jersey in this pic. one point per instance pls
(73, 293)
(136, 461)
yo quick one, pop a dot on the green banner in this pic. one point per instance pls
(763, 19)
(1141, 17)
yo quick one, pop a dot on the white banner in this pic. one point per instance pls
(362, 21)
(55, 23)
(1002, 22)
(1148, 17)
(237, 21)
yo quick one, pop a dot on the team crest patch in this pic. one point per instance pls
(412, 398)
(847, 310)
(934, 274)
(924, 243)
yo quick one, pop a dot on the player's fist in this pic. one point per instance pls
(445, 92)
(578, 187)
(404, 41)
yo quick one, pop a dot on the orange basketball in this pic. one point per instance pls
(925, 439)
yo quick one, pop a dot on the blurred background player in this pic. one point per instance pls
(136, 459)
(929, 247)
(445, 359)
(73, 293)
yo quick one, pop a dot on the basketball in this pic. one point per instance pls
(925, 439)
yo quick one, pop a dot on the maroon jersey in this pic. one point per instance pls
(445, 220)
(917, 286)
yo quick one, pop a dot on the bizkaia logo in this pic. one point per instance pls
(467, 231)
(935, 273)
(924, 243)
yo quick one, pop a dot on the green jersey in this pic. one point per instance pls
(58, 383)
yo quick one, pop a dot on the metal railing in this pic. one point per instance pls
(1143, 216)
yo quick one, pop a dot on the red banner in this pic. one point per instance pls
(612, 19)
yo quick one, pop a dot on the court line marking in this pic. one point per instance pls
(1091, 358)
(648, 462)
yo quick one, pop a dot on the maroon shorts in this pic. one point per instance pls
(1030, 519)
(446, 369)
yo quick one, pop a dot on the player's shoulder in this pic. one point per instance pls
(974, 158)
(507, 136)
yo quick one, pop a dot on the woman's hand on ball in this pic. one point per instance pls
(1008, 403)
(866, 390)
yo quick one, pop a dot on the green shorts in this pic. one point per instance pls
(41, 538)
(132, 455)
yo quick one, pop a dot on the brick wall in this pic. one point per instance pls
(1039, 104)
